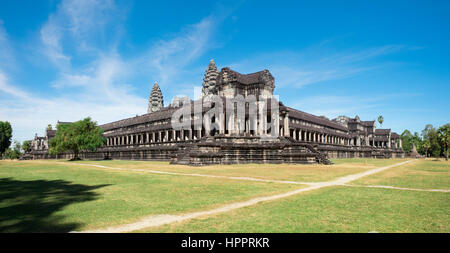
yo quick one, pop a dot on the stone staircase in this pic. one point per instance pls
(236, 150)
(321, 158)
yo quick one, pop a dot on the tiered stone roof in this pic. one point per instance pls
(210, 79)
(228, 75)
(156, 100)
(382, 131)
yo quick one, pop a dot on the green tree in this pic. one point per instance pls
(380, 120)
(5, 136)
(444, 138)
(418, 142)
(426, 147)
(26, 145)
(15, 152)
(429, 133)
(83, 135)
(407, 141)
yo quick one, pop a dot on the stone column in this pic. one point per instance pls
(221, 123)
(286, 124)
(207, 121)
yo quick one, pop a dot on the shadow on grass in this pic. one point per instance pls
(31, 206)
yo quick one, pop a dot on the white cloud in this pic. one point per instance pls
(296, 69)
(99, 87)
(168, 58)
(9, 89)
(76, 23)
(332, 106)
(6, 51)
(30, 114)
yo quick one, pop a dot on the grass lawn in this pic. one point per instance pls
(38, 196)
(61, 196)
(333, 209)
(422, 174)
(291, 172)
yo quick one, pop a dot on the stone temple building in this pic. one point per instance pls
(238, 120)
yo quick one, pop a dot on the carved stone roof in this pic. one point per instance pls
(229, 75)
(314, 119)
(368, 123)
(51, 133)
(382, 131)
(164, 113)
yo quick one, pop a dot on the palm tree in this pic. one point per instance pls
(380, 120)
(444, 138)
(426, 145)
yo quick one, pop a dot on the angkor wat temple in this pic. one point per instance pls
(236, 120)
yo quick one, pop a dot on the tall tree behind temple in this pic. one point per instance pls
(406, 137)
(429, 133)
(15, 152)
(26, 145)
(444, 138)
(380, 120)
(5, 136)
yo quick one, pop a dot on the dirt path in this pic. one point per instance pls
(158, 220)
(397, 188)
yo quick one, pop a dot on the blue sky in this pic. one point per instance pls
(66, 60)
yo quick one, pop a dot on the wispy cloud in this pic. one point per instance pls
(167, 59)
(332, 106)
(9, 89)
(76, 24)
(315, 64)
(99, 86)
(6, 50)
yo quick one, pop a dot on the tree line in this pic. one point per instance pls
(431, 142)
(75, 137)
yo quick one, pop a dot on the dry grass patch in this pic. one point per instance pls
(422, 174)
(289, 172)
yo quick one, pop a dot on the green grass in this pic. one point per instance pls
(44, 196)
(291, 172)
(367, 161)
(333, 209)
(422, 174)
(47, 196)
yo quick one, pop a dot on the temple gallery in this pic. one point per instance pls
(236, 119)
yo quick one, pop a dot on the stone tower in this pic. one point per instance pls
(210, 78)
(155, 101)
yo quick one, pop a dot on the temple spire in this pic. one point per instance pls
(155, 100)
(209, 79)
